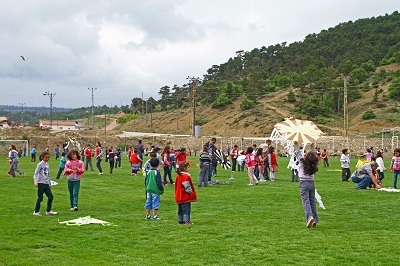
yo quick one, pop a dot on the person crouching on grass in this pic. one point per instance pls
(154, 189)
(307, 169)
(74, 170)
(42, 181)
(184, 193)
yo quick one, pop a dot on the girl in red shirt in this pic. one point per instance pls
(184, 193)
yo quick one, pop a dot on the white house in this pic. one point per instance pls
(60, 125)
(4, 122)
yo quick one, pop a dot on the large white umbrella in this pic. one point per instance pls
(302, 131)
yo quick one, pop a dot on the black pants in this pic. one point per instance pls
(44, 189)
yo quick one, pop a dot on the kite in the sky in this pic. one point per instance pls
(24, 58)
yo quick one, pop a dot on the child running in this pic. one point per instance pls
(154, 189)
(307, 169)
(395, 165)
(74, 170)
(14, 158)
(42, 181)
(250, 164)
(135, 161)
(184, 193)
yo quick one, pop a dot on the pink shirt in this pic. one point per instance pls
(250, 160)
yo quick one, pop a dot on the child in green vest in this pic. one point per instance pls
(154, 188)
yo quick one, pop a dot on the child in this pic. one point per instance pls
(307, 169)
(381, 167)
(273, 164)
(154, 189)
(172, 159)
(260, 164)
(250, 164)
(395, 165)
(166, 165)
(62, 164)
(74, 170)
(88, 152)
(111, 159)
(180, 156)
(135, 161)
(205, 164)
(147, 166)
(184, 193)
(345, 163)
(13, 157)
(99, 157)
(368, 155)
(42, 181)
(325, 158)
(234, 154)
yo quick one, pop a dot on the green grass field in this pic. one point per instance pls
(234, 224)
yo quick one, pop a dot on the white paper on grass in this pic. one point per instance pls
(389, 189)
(85, 220)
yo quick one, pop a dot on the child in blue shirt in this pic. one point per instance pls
(62, 165)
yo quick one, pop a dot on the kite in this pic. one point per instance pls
(85, 220)
(222, 159)
(389, 189)
(53, 183)
(319, 200)
(24, 58)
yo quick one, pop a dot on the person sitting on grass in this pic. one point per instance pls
(154, 189)
(364, 175)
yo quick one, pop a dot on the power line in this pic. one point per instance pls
(51, 96)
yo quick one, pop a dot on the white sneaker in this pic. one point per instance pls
(250, 184)
(37, 214)
(51, 213)
(100, 173)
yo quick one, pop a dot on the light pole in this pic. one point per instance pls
(194, 81)
(92, 89)
(51, 96)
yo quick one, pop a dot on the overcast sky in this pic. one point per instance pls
(126, 48)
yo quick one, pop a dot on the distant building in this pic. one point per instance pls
(60, 125)
(4, 122)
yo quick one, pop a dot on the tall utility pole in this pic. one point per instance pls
(194, 82)
(51, 96)
(345, 110)
(22, 112)
(93, 89)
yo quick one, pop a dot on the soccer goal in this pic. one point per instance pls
(21, 145)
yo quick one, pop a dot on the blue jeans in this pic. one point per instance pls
(98, 165)
(167, 172)
(362, 183)
(73, 188)
(203, 175)
(396, 174)
(89, 163)
(183, 212)
(152, 201)
(307, 193)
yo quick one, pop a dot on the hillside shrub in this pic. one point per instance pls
(127, 118)
(369, 114)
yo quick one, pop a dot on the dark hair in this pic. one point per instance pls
(98, 143)
(310, 163)
(13, 147)
(368, 150)
(379, 154)
(259, 151)
(182, 167)
(167, 148)
(154, 162)
(344, 151)
(43, 154)
(235, 146)
(182, 149)
(63, 153)
(153, 155)
(271, 149)
(69, 156)
(249, 150)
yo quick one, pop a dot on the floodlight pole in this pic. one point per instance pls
(22, 112)
(51, 96)
(92, 89)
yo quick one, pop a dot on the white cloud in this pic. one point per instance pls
(126, 48)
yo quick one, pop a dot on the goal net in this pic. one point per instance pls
(21, 145)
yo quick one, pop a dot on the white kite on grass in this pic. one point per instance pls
(85, 220)
(389, 189)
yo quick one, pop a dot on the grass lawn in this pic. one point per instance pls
(234, 224)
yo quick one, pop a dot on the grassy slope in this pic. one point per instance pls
(233, 224)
